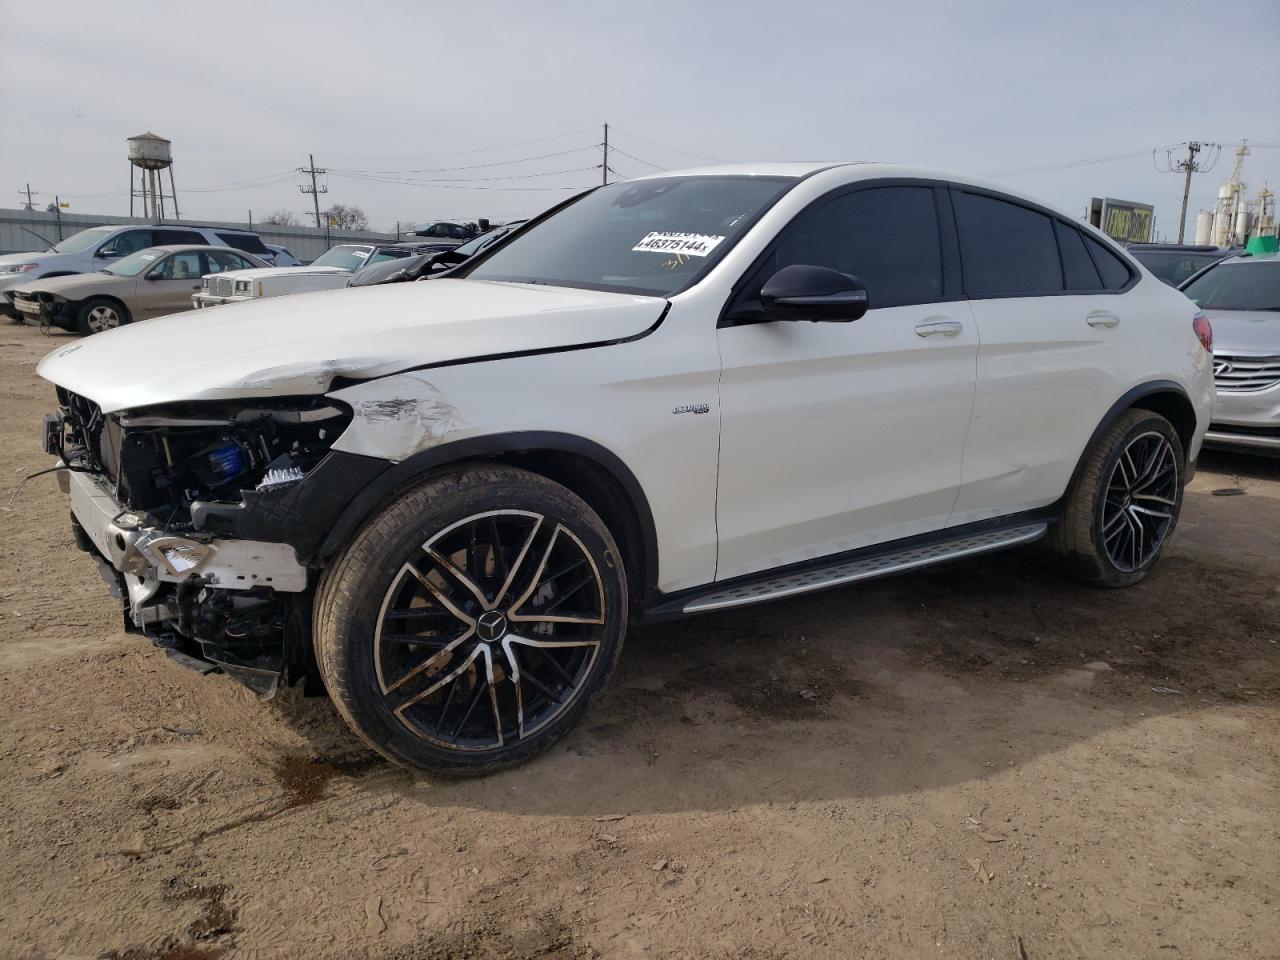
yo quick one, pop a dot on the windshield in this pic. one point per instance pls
(348, 258)
(472, 247)
(1174, 266)
(134, 264)
(647, 236)
(83, 240)
(1238, 286)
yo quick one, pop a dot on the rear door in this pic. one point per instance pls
(839, 435)
(1049, 303)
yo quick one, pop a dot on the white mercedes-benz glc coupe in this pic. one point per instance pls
(446, 501)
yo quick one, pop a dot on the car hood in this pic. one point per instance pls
(262, 273)
(297, 345)
(1245, 331)
(6, 259)
(75, 286)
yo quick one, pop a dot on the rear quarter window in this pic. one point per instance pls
(1079, 272)
(1115, 272)
(248, 242)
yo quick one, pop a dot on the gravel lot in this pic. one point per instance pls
(976, 761)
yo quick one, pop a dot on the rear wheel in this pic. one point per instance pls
(99, 314)
(1124, 505)
(469, 626)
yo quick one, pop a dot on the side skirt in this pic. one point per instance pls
(867, 563)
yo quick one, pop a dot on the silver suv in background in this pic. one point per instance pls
(1241, 297)
(98, 247)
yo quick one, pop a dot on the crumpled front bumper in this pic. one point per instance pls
(144, 558)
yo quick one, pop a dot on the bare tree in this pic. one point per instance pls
(345, 217)
(280, 218)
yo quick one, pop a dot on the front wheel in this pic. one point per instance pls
(471, 623)
(100, 314)
(1123, 507)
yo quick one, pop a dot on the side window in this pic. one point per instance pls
(180, 266)
(1077, 266)
(1005, 249)
(1115, 272)
(220, 260)
(167, 235)
(887, 237)
(130, 241)
(248, 242)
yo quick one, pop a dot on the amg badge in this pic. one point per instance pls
(693, 408)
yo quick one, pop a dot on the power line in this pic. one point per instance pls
(474, 166)
(462, 153)
(647, 163)
(687, 153)
(432, 180)
(1065, 164)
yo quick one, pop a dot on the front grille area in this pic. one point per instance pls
(101, 436)
(1244, 374)
(220, 286)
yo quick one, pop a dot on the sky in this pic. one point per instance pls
(449, 110)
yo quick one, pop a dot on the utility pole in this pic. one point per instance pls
(29, 205)
(1187, 167)
(57, 212)
(604, 166)
(315, 190)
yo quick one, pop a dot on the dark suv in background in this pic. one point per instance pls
(1175, 263)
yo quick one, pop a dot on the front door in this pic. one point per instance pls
(167, 287)
(839, 435)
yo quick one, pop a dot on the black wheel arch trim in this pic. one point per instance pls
(1129, 399)
(382, 488)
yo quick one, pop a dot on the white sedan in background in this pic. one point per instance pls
(328, 272)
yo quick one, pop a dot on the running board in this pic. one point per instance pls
(864, 568)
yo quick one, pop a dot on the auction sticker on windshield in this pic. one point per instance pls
(686, 244)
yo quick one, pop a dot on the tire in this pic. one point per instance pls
(100, 313)
(471, 623)
(1123, 506)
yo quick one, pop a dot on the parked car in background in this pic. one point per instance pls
(1241, 298)
(97, 247)
(146, 284)
(1175, 263)
(445, 230)
(326, 272)
(422, 265)
(677, 394)
(281, 257)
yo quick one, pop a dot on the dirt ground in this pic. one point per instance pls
(977, 761)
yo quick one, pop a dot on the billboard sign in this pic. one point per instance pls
(1122, 220)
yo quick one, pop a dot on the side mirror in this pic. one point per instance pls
(108, 253)
(804, 292)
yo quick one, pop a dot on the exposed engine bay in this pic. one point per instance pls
(148, 488)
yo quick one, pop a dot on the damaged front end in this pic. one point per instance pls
(163, 499)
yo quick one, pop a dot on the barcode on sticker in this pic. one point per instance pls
(685, 244)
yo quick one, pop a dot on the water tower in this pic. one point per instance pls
(150, 156)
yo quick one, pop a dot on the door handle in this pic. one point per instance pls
(934, 327)
(1102, 318)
